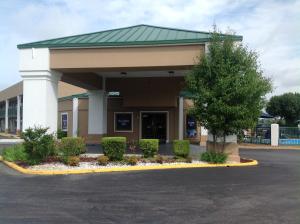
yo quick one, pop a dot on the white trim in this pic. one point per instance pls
(6, 114)
(124, 46)
(64, 113)
(154, 112)
(115, 113)
(18, 112)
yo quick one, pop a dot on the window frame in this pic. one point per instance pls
(115, 123)
(61, 123)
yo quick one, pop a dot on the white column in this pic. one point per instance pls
(40, 89)
(6, 115)
(206, 47)
(75, 117)
(18, 113)
(97, 110)
(228, 138)
(274, 134)
(180, 119)
(104, 106)
(40, 92)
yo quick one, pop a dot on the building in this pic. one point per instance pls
(134, 78)
(12, 98)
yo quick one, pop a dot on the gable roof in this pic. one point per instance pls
(128, 36)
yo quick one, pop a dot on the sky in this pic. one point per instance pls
(270, 27)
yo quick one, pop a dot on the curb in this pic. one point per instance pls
(122, 169)
(269, 147)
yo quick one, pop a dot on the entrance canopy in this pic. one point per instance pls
(92, 60)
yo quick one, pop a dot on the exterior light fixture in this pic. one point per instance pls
(171, 73)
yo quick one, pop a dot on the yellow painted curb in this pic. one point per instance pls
(123, 169)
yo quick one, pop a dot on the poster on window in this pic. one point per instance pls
(123, 122)
(64, 122)
(191, 127)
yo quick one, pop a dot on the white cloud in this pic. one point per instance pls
(270, 27)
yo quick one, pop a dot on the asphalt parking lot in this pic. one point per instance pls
(268, 193)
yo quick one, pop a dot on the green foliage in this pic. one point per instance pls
(285, 106)
(132, 160)
(149, 147)
(214, 157)
(181, 148)
(103, 160)
(72, 160)
(71, 146)
(114, 147)
(15, 153)
(38, 144)
(227, 87)
(61, 134)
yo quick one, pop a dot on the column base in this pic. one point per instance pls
(229, 148)
(6, 131)
(94, 138)
(19, 132)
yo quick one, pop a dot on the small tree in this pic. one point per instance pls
(285, 106)
(227, 87)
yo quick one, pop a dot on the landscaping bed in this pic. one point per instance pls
(92, 163)
(41, 153)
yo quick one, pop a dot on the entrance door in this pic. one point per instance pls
(154, 125)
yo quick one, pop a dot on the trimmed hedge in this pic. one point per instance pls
(181, 148)
(214, 157)
(149, 147)
(114, 147)
(71, 146)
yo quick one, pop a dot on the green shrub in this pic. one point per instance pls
(72, 160)
(214, 157)
(71, 146)
(38, 144)
(181, 148)
(132, 160)
(149, 147)
(15, 153)
(61, 134)
(114, 147)
(102, 160)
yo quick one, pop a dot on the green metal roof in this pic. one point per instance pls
(80, 96)
(127, 36)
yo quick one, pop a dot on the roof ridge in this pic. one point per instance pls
(177, 29)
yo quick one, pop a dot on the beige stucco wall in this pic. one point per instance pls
(116, 105)
(125, 57)
(66, 106)
(65, 89)
(12, 91)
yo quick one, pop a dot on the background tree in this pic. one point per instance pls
(285, 106)
(227, 87)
